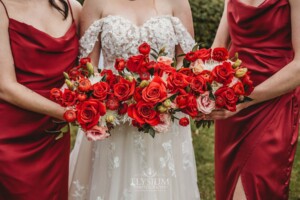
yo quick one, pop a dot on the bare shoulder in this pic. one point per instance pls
(3, 18)
(180, 5)
(76, 8)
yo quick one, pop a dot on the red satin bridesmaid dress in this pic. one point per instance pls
(33, 165)
(259, 143)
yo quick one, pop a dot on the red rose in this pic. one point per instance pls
(111, 78)
(238, 88)
(191, 106)
(207, 75)
(176, 80)
(69, 97)
(56, 95)
(184, 121)
(191, 56)
(138, 94)
(144, 75)
(203, 54)
(84, 61)
(144, 48)
(112, 103)
(226, 98)
(248, 84)
(161, 68)
(124, 89)
(198, 84)
(144, 113)
(186, 71)
(120, 64)
(134, 63)
(75, 74)
(89, 112)
(100, 90)
(123, 109)
(70, 116)
(81, 97)
(223, 73)
(182, 101)
(220, 54)
(155, 92)
(84, 85)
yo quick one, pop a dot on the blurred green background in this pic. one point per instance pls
(206, 16)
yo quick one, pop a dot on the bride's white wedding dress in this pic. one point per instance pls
(131, 165)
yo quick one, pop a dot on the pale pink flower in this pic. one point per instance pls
(197, 66)
(164, 59)
(97, 133)
(234, 81)
(164, 126)
(205, 104)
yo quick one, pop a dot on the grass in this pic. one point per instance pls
(204, 152)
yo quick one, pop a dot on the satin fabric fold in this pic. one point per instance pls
(259, 143)
(33, 165)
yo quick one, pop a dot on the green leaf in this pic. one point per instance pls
(65, 129)
(154, 56)
(195, 48)
(152, 132)
(186, 63)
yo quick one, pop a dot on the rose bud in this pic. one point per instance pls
(237, 63)
(162, 109)
(184, 121)
(144, 83)
(69, 84)
(81, 97)
(120, 64)
(90, 68)
(66, 75)
(123, 109)
(110, 118)
(70, 116)
(84, 85)
(144, 48)
(241, 72)
(129, 78)
(167, 103)
(84, 61)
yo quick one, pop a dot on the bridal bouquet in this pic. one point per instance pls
(149, 93)
(215, 82)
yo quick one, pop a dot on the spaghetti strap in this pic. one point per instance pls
(4, 8)
(70, 9)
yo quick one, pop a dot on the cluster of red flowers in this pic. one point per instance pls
(150, 93)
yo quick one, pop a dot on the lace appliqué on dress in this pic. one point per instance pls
(168, 160)
(80, 191)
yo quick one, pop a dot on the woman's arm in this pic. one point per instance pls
(76, 8)
(287, 79)
(282, 82)
(13, 92)
(182, 10)
(90, 13)
(222, 38)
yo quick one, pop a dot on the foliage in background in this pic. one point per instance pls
(206, 17)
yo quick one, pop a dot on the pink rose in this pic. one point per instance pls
(205, 104)
(164, 126)
(164, 59)
(197, 66)
(97, 133)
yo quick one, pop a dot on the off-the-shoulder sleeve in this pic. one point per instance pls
(90, 37)
(184, 38)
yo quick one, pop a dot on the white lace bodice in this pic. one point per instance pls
(121, 38)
